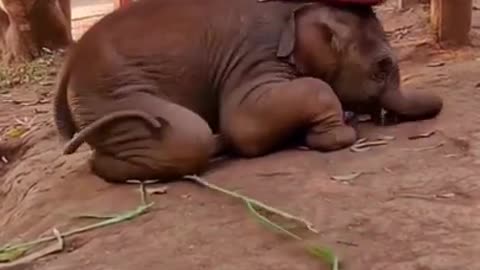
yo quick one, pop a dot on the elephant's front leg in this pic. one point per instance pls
(257, 118)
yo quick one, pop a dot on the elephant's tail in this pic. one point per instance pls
(61, 112)
(79, 139)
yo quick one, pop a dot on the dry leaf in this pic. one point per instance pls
(386, 138)
(15, 132)
(347, 177)
(446, 196)
(388, 170)
(423, 135)
(436, 64)
(361, 140)
(158, 191)
(366, 145)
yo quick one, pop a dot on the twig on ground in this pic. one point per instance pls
(363, 145)
(347, 243)
(143, 193)
(422, 135)
(281, 213)
(346, 177)
(426, 148)
(449, 195)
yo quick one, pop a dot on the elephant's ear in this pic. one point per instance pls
(286, 43)
(287, 38)
(334, 32)
(332, 37)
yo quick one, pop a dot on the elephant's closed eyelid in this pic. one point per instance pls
(385, 64)
(382, 69)
(379, 76)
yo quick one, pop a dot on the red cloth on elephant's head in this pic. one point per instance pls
(355, 2)
(339, 2)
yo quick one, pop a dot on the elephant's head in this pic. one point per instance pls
(348, 48)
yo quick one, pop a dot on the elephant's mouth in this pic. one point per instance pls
(373, 112)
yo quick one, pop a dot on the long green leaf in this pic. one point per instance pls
(95, 216)
(11, 254)
(324, 254)
(267, 222)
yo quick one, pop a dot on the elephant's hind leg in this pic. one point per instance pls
(255, 122)
(113, 169)
(132, 150)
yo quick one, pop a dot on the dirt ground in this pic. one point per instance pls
(416, 207)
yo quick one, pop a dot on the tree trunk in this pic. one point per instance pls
(27, 26)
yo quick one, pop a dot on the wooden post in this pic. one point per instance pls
(404, 4)
(452, 20)
(121, 3)
(66, 7)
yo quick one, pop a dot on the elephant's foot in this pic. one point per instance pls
(333, 139)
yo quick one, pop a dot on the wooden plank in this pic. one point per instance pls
(452, 20)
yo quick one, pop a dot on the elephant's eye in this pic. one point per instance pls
(379, 76)
(382, 69)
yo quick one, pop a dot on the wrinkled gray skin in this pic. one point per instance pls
(148, 86)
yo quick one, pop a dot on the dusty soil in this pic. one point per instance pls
(416, 208)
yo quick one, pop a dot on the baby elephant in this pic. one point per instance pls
(148, 86)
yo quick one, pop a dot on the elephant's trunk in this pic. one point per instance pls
(411, 106)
